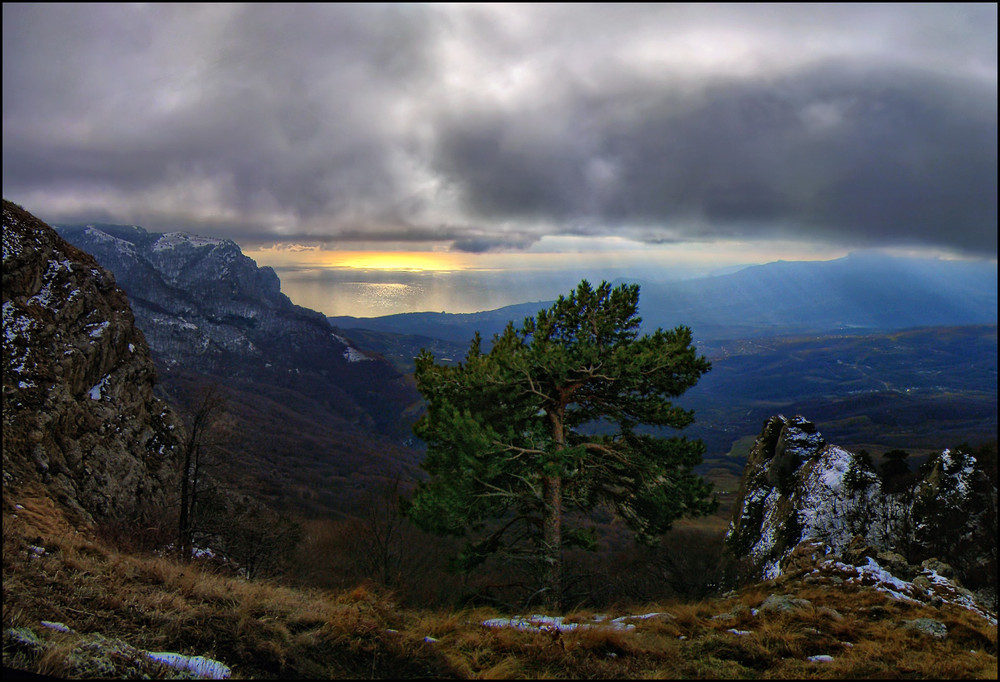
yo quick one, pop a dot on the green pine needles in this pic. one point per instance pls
(546, 423)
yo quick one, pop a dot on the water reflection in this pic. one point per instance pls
(378, 293)
(379, 298)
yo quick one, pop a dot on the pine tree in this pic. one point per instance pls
(547, 422)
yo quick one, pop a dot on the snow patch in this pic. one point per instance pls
(16, 327)
(873, 575)
(199, 665)
(962, 476)
(120, 245)
(203, 553)
(95, 392)
(351, 354)
(12, 245)
(541, 623)
(354, 355)
(885, 581)
(770, 522)
(98, 329)
(44, 297)
(58, 627)
(172, 240)
(644, 616)
(830, 511)
(772, 570)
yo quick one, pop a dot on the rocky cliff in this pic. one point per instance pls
(799, 489)
(79, 414)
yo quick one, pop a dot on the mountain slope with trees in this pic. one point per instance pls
(84, 596)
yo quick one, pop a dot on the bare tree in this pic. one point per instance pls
(255, 537)
(384, 526)
(206, 431)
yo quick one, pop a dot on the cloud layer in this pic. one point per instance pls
(487, 127)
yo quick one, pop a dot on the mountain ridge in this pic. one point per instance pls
(204, 305)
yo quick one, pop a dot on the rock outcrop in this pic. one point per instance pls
(79, 414)
(799, 489)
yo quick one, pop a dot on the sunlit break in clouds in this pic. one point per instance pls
(449, 142)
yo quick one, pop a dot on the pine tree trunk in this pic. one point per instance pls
(552, 537)
(552, 520)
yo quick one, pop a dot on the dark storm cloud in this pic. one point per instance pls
(875, 156)
(489, 126)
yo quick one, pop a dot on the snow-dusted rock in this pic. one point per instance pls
(199, 666)
(803, 499)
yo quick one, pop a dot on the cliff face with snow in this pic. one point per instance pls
(79, 414)
(205, 306)
(797, 488)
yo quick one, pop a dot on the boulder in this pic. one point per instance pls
(927, 626)
(783, 603)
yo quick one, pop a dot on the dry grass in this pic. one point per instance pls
(265, 629)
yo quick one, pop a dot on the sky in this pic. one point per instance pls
(391, 157)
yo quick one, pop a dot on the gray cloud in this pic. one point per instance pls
(490, 126)
(278, 113)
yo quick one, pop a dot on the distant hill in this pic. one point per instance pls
(861, 292)
(454, 327)
(866, 291)
(933, 387)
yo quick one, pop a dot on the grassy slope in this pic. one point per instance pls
(263, 629)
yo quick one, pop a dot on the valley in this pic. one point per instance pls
(305, 472)
(924, 388)
(881, 352)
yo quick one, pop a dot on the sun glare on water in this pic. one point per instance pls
(409, 261)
